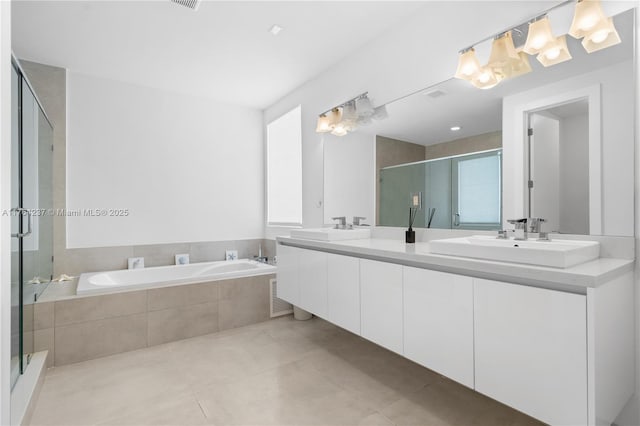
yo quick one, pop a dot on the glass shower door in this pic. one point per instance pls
(31, 220)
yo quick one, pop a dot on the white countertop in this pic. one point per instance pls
(574, 279)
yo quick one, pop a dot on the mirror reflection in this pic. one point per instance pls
(469, 153)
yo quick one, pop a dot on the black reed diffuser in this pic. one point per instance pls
(410, 234)
(415, 203)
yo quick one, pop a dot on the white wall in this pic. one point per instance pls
(349, 178)
(187, 168)
(5, 205)
(617, 134)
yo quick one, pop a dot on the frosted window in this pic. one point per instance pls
(284, 169)
(479, 189)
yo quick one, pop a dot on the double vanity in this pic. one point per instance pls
(546, 327)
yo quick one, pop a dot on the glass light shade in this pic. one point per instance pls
(486, 78)
(540, 35)
(335, 116)
(324, 124)
(364, 107)
(602, 36)
(468, 65)
(503, 52)
(380, 113)
(521, 66)
(339, 130)
(349, 116)
(555, 53)
(587, 16)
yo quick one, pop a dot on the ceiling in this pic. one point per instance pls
(426, 120)
(223, 50)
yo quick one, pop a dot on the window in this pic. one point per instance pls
(477, 197)
(284, 169)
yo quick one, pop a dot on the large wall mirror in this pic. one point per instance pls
(470, 153)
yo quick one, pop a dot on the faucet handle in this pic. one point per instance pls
(357, 219)
(535, 224)
(519, 223)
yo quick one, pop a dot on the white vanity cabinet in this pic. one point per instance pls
(288, 288)
(563, 357)
(438, 322)
(343, 292)
(381, 303)
(531, 350)
(312, 267)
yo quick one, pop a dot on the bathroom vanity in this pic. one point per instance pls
(556, 344)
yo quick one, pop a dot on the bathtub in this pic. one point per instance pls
(163, 276)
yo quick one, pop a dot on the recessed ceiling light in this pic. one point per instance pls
(275, 29)
(455, 128)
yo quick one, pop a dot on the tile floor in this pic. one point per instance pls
(282, 372)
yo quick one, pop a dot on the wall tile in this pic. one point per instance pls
(244, 301)
(210, 251)
(181, 295)
(160, 254)
(43, 315)
(97, 259)
(99, 307)
(44, 340)
(183, 322)
(94, 339)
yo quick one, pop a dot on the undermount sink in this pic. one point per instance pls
(556, 253)
(331, 234)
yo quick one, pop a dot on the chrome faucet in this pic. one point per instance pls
(260, 257)
(342, 222)
(535, 227)
(520, 228)
(357, 219)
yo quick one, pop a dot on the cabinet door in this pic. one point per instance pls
(438, 322)
(287, 274)
(381, 303)
(343, 285)
(313, 281)
(531, 350)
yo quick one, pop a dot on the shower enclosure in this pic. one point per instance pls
(31, 214)
(459, 192)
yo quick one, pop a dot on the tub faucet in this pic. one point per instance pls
(520, 228)
(260, 257)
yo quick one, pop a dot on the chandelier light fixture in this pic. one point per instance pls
(348, 116)
(590, 24)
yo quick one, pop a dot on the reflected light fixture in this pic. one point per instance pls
(349, 115)
(555, 52)
(468, 65)
(539, 36)
(486, 78)
(505, 60)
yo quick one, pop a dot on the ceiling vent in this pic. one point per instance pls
(191, 4)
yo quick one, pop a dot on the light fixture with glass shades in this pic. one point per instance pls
(348, 116)
(507, 60)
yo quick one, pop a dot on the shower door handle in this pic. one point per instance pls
(456, 219)
(23, 234)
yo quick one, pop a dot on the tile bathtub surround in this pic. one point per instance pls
(82, 328)
(96, 259)
(280, 372)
